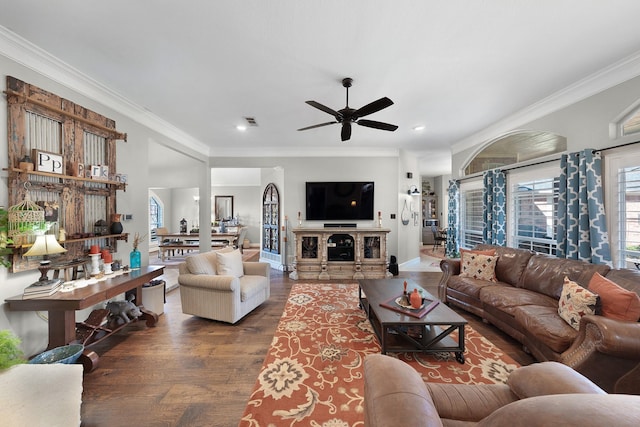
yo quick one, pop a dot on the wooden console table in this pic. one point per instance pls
(62, 306)
(191, 241)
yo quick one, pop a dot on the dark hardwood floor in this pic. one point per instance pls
(188, 371)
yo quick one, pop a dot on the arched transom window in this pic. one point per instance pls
(516, 147)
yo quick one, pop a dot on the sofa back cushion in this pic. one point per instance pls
(545, 274)
(511, 262)
(205, 263)
(626, 278)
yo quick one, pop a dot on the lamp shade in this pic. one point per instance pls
(45, 244)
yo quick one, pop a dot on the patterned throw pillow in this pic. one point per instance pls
(575, 302)
(478, 266)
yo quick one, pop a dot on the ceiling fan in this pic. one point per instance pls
(348, 115)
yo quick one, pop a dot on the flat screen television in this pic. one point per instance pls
(339, 201)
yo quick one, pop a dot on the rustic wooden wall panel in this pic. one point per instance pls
(42, 120)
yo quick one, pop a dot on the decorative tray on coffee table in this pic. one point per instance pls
(398, 304)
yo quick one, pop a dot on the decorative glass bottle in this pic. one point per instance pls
(134, 259)
(134, 256)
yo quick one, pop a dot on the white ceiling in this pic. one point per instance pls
(454, 66)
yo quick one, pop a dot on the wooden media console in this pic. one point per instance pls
(340, 253)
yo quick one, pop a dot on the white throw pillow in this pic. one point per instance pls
(230, 264)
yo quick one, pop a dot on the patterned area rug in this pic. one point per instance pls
(313, 376)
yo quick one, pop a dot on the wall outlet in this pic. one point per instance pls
(128, 217)
(393, 216)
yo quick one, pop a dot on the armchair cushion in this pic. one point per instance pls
(250, 287)
(230, 263)
(617, 302)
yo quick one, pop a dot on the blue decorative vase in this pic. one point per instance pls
(134, 259)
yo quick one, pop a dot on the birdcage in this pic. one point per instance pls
(25, 218)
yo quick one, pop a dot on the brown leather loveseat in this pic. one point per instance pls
(523, 302)
(542, 394)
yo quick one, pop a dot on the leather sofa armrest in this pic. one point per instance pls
(221, 283)
(450, 267)
(395, 395)
(544, 378)
(607, 351)
(610, 336)
(586, 410)
(253, 268)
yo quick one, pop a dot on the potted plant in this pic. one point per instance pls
(10, 353)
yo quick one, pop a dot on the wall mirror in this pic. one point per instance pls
(224, 207)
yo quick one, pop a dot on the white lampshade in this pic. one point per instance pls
(45, 244)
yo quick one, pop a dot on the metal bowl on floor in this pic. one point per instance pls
(67, 354)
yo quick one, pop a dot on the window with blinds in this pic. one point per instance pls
(629, 213)
(472, 218)
(631, 124)
(534, 214)
(155, 218)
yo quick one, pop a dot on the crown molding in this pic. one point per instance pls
(308, 152)
(33, 57)
(616, 73)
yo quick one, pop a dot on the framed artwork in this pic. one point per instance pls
(48, 162)
(80, 171)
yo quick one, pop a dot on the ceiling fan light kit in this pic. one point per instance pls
(347, 115)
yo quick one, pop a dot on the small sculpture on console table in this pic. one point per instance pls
(123, 310)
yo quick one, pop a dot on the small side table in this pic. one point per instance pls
(70, 269)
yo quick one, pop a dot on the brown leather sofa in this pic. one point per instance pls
(542, 394)
(524, 304)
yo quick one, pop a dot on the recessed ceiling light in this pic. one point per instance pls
(419, 127)
(241, 128)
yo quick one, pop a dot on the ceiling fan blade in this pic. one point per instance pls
(377, 125)
(320, 125)
(346, 131)
(324, 108)
(373, 107)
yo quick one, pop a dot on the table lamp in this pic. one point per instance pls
(45, 245)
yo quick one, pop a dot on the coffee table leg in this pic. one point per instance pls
(460, 354)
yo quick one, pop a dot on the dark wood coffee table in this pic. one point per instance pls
(398, 332)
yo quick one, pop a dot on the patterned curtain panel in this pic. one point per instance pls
(582, 228)
(495, 207)
(454, 208)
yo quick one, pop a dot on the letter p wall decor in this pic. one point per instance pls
(48, 162)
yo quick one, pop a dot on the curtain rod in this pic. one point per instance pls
(542, 162)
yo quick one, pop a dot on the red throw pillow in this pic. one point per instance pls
(617, 302)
